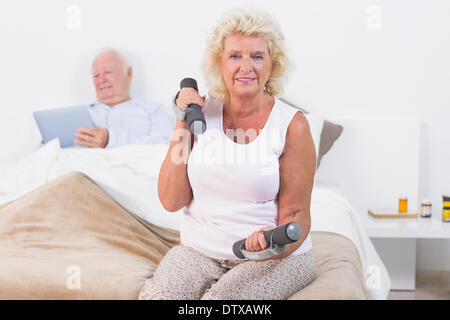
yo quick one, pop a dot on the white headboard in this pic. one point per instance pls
(374, 161)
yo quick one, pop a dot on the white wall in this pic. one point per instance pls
(353, 58)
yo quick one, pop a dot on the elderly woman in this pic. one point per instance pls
(226, 200)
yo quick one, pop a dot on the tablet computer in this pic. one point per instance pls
(62, 123)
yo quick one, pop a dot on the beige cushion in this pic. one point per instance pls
(339, 270)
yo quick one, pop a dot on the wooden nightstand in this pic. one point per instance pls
(395, 241)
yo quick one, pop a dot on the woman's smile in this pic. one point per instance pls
(245, 80)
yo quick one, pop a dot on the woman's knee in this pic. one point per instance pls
(182, 274)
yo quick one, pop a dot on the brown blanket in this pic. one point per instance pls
(69, 240)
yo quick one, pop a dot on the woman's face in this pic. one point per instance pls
(246, 65)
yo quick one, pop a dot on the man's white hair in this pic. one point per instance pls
(120, 53)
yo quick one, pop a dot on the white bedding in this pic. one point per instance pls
(129, 174)
(330, 211)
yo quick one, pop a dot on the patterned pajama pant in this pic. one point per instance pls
(186, 274)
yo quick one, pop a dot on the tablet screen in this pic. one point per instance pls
(62, 123)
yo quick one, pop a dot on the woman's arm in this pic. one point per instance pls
(297, 169)
(174, 190)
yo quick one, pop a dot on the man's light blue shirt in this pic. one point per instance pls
(133, 122)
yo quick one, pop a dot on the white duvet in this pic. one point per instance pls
(129, 174)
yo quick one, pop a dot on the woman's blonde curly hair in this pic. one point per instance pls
(249, 22)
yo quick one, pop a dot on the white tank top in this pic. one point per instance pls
(235, 186)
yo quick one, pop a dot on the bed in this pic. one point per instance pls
(87, 224)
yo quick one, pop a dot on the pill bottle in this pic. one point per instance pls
(425, 209)
(403, 204)
(446, 208)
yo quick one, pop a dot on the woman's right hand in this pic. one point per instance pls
(189, 96)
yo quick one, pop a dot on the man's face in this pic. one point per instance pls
(112, 84)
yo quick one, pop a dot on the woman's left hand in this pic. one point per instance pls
(256, 241)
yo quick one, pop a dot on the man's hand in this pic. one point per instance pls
(92, 138)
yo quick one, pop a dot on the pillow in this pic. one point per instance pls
(330, 133)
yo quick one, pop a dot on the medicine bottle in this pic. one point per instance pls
(403, 204)
(425, 209)
(446, 208)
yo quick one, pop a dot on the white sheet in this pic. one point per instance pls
(130, 173)
(330, 211)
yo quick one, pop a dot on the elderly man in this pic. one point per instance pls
(120, 119)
